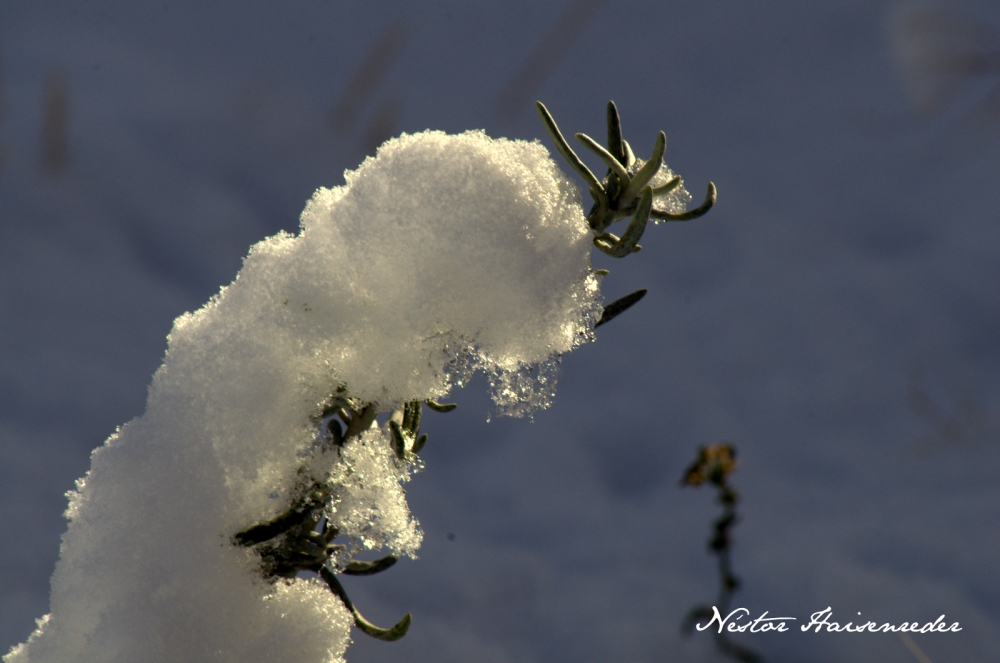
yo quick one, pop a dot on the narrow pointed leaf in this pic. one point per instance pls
(440, 407)
(637, 225)
(387, 634)
(606, 157)
(710, 197)
(611, 245)
(411, 417)
(599, 212)
(629, 154)
(619, 306)
(615, 146)
(406, 422)
(390, 634)
(263, 532)
(361, 421)
(370, 568)
(612, 186)
(648, 170)
(596, 189)
(606, 241)
(419, 443)
(397, 440)
(668, 187)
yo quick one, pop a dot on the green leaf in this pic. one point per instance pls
(630, 240)
(411, 418)
(701, 210)
(667, 187)
(398, 441)
(619, 306)
(648, 170)
(596, 188)
(629, 154)
(389, 634)
(610, 244)
(615, 146)
(440, 407)
(357, 568)
(606, 157)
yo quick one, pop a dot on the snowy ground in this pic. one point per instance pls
(853, 247)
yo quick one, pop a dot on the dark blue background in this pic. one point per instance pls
(849, 266)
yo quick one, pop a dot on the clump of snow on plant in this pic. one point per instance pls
(367, 505)
(443, 255)
(674, 201)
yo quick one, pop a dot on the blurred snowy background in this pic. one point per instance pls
(836, 315)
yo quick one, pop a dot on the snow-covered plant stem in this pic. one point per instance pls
(300, 539)
(261, 456)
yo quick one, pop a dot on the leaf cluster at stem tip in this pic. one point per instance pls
(621, 194)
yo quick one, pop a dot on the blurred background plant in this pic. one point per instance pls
(3, 109)
(940, 393)
(55, 124)
(950, 63)
(714, 465)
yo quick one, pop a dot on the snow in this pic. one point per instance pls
(441, 256)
